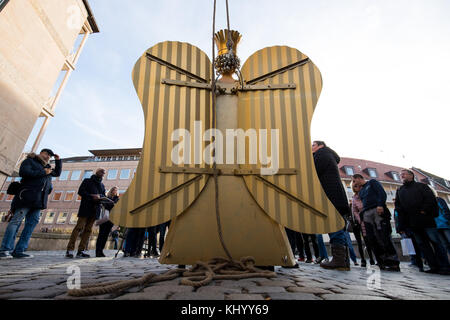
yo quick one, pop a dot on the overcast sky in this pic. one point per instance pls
(385, 67)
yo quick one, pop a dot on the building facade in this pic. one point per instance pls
(40, 43)
(121, 164)
(63, 203)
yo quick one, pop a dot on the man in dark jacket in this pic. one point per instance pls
(91, 191)
(417, 209)
(326, 161)
(32, 196)
(376, 217)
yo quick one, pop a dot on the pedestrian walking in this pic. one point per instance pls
(326, 161)
(30, 197)
(91, 191)
(376, 217)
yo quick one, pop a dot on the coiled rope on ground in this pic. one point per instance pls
(201, 274)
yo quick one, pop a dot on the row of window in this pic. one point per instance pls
(112, 174)
(57, 196)
(49, 217)
(372, 172)
(117, 158)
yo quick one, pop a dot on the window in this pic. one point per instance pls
(447, 183)
(349, 170)
(432, 183)
(372, 172)
(62, 218)
(87, 174)
(75, 175)
(108, 158)
(17, 179)
(69, 195)
(78, 197)
(49, 218)
(2, 195)
(121, 192)
(125, 173)
(395, 176)
(57, 195)
(134, 172)
(64, 175)
(8, 179)
(73, 218)
(112, 174)
(9, 197)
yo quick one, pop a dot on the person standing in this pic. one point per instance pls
(306, 238)
(106, 226)
(417, 207)
(91, 191)
(376, 217)
(359, 228)
(32, 197)
(443, 222)
(162, 234)
(326, 161)
(323, 254)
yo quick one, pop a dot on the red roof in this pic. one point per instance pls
(361, 166)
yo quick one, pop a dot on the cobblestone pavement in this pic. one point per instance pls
(45, 277)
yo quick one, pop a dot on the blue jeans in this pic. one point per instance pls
(31, 220)
(440, 250)
(322, 249)
(338, 238)
(350, 246)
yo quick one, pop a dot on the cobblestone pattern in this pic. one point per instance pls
(46, 275)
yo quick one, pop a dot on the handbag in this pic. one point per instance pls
(407, 247)
(104, 216)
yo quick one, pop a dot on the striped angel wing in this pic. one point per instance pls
(296, 201)
(157, 195)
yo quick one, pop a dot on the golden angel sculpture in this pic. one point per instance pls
(260, 142)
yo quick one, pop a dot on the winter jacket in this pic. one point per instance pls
(326, 161)
(443, 220)
(372, 195)
(89, 207)
(36, 185)
(412, 198)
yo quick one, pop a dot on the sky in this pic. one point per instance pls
(385, 67)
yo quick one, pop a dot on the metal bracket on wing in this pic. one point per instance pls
(232, 90)
(166, 194)
(291, 197)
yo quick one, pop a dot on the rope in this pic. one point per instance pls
(216, 182)
(201, 274)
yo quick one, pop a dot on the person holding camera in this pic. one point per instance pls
(30, 197)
